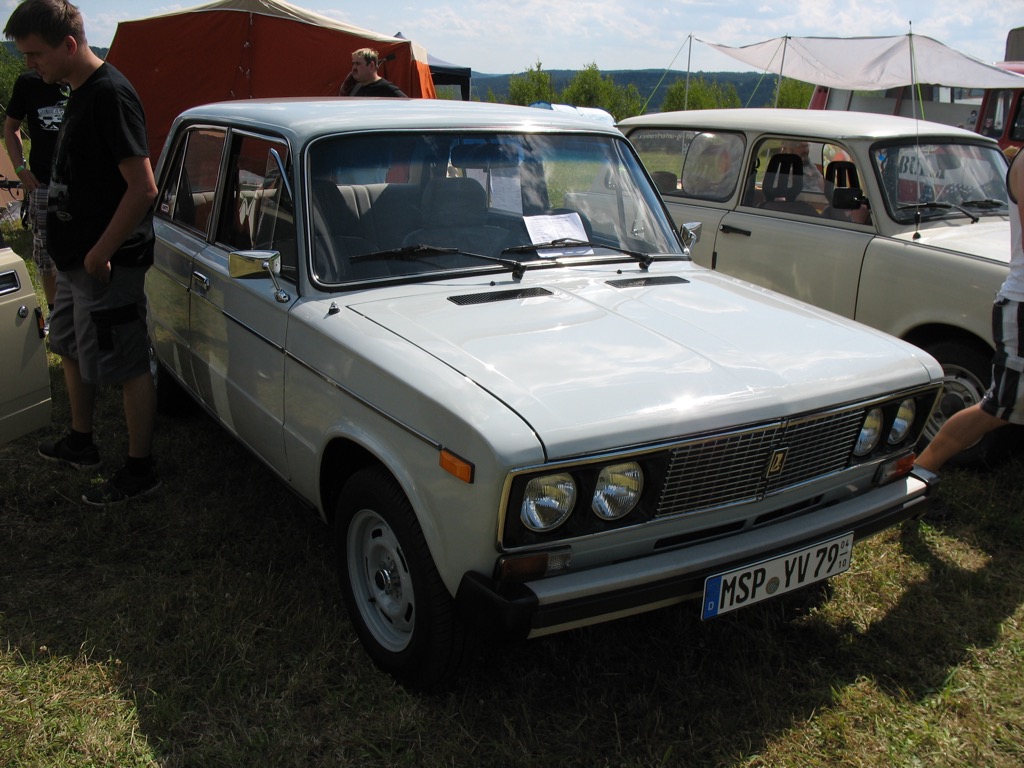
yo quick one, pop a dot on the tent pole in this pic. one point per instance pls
(689, 57)
(915, 95)
(782, 68)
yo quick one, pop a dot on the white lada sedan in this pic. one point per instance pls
(468, 335)
(901, 224)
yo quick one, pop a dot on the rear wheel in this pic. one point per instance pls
(398, 604)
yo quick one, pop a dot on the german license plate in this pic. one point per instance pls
(753, 583)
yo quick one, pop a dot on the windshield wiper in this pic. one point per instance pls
(988, 202)
(918, 207)
(645, 259)
(410, 252)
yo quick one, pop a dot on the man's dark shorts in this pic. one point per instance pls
(102, 326)
(1005, 399)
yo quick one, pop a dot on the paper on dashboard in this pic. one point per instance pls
(558, 226)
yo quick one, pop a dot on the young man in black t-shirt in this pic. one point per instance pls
(41, 105)
(100, 235)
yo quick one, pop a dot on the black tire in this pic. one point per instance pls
(400, 608)
(968, 373)
(171, 398)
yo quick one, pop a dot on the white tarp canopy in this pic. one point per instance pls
(870, 63)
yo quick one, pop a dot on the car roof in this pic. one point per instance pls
(811, 123)
(305, 118)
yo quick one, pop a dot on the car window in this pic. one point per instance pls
(940, 179)
(190, 185)
(702, 165)
(461, 200)
(258, 212)
(799, 176)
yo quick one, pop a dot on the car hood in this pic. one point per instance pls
(989, 238)
(594, 361)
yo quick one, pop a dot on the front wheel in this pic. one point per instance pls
(398, 604)
(966, 376)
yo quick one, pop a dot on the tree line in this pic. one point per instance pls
(590, 88)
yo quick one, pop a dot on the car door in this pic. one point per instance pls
(238, 324)
(24, 376)
(785, 234)
(184, 226)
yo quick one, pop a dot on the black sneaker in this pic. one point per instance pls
(61, 450)
(123, 486)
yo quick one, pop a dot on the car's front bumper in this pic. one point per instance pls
(573, 599)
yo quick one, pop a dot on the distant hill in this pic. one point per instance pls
(752, 87)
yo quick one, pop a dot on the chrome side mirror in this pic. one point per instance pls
(244, 265)
(689, 234)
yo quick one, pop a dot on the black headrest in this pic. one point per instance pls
(784, 177)
(841, 173)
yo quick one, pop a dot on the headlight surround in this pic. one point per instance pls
(903, 422)
(618, 490)
(548, 501)
(870, 432)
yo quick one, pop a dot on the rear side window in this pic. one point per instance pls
(701, 165)
(190, 187)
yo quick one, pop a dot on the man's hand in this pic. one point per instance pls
(97, 266)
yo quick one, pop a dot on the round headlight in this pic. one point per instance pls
(618, 490)
(870, 433)
(548, 501)
(904, 421)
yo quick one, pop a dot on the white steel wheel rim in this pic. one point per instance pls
(380, 580)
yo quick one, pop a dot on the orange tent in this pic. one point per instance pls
(247, 49)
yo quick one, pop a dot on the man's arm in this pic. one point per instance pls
(138, 199)
(16, 151)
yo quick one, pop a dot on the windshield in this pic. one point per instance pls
(396, 205)
(941, 179)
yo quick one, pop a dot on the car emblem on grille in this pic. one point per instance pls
(777, 462)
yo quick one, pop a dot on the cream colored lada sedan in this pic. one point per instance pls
(898, 223)
(469, 337)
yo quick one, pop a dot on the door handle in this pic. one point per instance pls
(731, 230)
(201, 281)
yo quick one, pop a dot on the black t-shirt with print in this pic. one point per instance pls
(40, 105)
(103, 125)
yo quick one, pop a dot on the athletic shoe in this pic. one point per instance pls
(61, 451)
(123, 486)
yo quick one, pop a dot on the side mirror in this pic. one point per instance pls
(689, 234)
(244, 265)
(847, 198)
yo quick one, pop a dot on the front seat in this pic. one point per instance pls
(455, 216)
(783, 182)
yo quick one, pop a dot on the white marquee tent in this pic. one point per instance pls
(870, 63)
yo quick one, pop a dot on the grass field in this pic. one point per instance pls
(203, 628)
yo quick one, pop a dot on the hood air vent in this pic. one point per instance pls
(647, 282)
(492, 296)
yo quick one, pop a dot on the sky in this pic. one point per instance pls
(502, 37)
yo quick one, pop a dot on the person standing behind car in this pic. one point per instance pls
(100, 235)
(42, 105)
(1004, 402)
(364, 79)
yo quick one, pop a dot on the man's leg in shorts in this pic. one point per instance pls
(1002, 404)
(963, 430)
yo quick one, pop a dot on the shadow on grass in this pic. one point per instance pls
(215, 610)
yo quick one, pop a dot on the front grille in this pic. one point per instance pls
(747, 466)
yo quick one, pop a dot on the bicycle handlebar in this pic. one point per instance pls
(10, 184)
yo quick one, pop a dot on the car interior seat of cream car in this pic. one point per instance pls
(783, 182)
